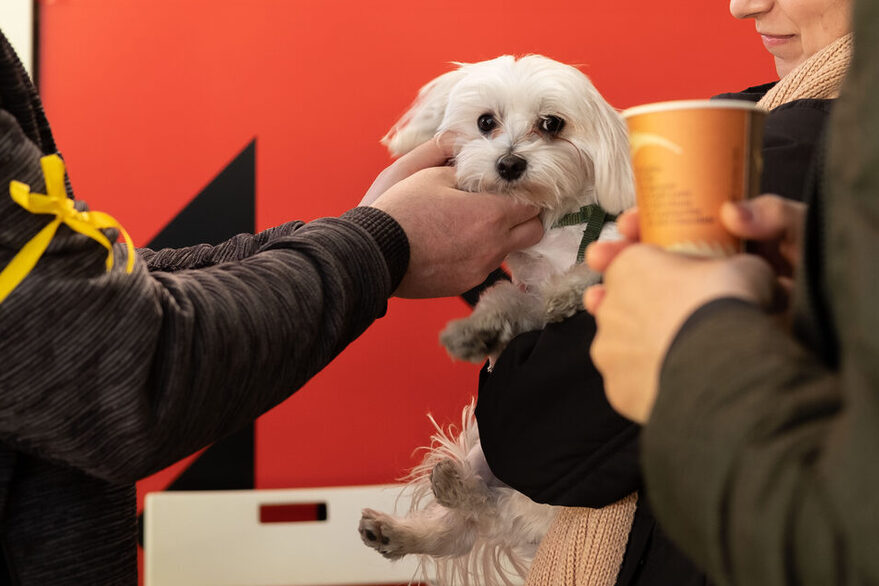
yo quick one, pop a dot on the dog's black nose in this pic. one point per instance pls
(511, 167)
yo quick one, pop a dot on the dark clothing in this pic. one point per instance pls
(791, 133)
(651, 559)
(107, 376)
(545, 425)
(558, 442)
(760, 456)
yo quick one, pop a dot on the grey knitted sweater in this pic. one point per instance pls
(106, 377)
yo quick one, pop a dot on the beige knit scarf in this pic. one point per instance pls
(584, 547)
(818, 77)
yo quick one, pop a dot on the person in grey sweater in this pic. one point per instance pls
(107, 376)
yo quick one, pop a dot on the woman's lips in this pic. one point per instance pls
(775, 40)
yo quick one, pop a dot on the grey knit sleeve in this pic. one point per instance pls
(384, 230)
(122, 374)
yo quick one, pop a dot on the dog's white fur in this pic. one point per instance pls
(467, 523)
(466, 526)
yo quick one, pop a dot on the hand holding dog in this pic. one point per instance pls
(646, 297)
(456, 238)
(433, 153)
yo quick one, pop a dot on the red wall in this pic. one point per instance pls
(150, 99)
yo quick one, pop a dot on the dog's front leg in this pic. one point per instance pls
(563, 294)
(503, 312)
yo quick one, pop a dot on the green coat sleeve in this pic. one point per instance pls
(735, 451)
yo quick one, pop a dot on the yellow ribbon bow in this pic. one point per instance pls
(56, 203)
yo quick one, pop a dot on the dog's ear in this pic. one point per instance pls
(614, 182)
(420, 123)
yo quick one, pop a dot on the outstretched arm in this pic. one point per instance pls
(121, 374)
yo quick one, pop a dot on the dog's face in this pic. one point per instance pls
(533, 128)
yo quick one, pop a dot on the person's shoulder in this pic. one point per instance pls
(822, 105)
(750, 94)
(756, 92)
(798, 123)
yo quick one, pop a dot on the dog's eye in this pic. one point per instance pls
(486, 123)
(551, 124)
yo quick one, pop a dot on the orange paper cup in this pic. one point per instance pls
(689, 157)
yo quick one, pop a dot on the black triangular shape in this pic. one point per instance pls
(226, 465)
(229, 464)
(226, 207)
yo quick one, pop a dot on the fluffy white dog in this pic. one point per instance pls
(539, 131)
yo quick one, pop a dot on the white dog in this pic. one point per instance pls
(539, 131)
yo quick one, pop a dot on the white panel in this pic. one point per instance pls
(215, 537)
(16, 20)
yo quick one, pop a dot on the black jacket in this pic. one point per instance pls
(545, 425)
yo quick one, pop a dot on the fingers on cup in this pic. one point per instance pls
(764, 217)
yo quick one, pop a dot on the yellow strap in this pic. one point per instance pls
(56, 203)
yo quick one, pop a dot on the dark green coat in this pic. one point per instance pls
(761, 453)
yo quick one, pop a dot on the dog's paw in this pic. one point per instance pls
(503, 312)
(563, 294)
(454, 488)
(563, 304)
(380, 532)
(477, 337)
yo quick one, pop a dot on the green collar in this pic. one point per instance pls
(594, 217)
